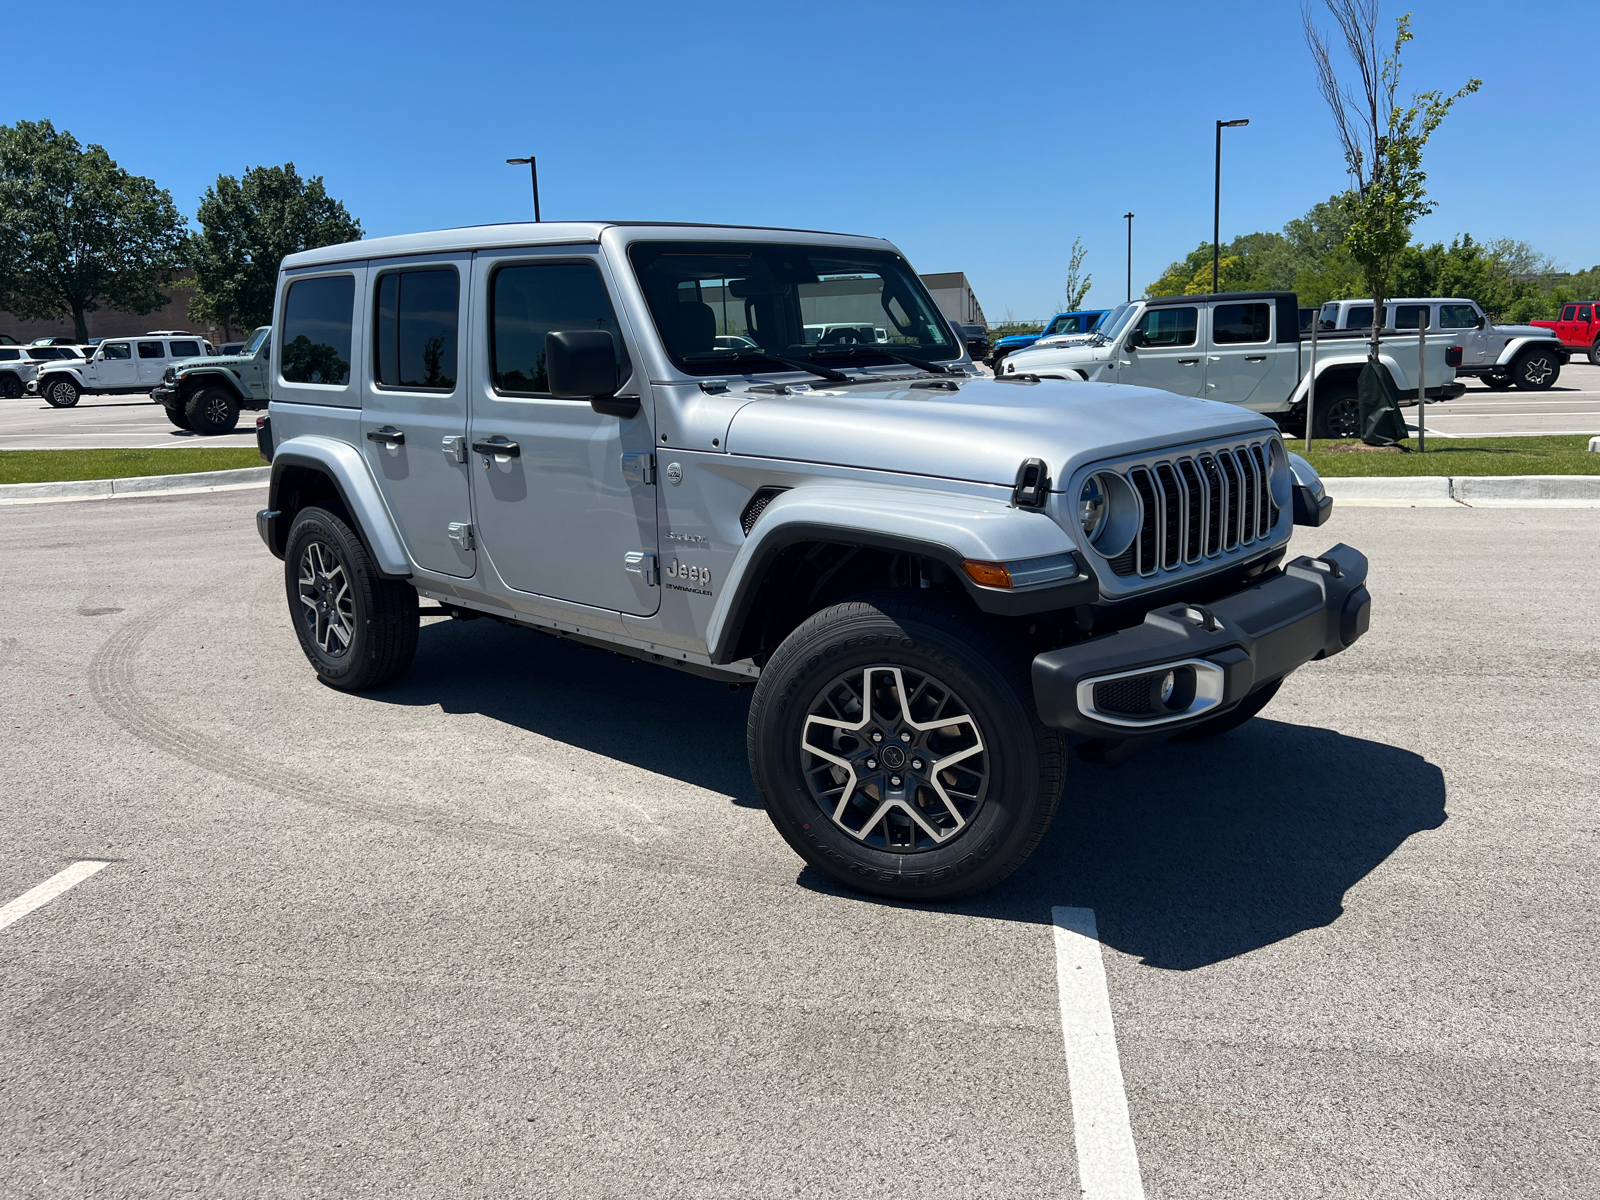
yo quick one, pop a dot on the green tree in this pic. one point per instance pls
(247, 226)
(1382, 141)
(1077, 282)
(77, 231)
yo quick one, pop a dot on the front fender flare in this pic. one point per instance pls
(1517, 345)
(193, 379)
(937, 525)
(343, 464)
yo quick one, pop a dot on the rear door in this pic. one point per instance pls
(556, 513)
(414, 404)
(1583, 329)
(1241, 354)
(152, 361)
(1566, 323)
(1169, 355)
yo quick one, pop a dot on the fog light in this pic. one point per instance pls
(1168, 682)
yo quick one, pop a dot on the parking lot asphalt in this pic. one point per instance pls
(516, 926)
(134, 422)
(119, 422)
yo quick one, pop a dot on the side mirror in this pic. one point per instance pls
(1135, 340)
(581, 364)
(1480, 322)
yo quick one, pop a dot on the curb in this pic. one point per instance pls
(1472, 491)
(137, 485)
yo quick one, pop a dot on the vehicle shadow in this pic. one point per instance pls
(1196, 853)
(1189, 855)
(656, 718)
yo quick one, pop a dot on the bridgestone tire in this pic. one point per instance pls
(1338, 412)
(176, 415)
(1217, 726)
(1536, 370)
(979, 664)
(11, 387)
(212, 410)
(1594, 353)
(61, 393)
(379, 616)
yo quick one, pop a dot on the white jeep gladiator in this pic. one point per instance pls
(1244, 348)
(935, 581)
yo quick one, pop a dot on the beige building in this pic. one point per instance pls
(955, 297)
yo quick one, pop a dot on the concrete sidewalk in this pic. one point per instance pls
(1475, 491)
(136, 485)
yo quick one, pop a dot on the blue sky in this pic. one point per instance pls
(979, 137)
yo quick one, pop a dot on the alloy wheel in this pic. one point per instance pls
(328, 603)
(895, 758)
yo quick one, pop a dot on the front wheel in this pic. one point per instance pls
(896, 746)
(1536, 370)
(1338, 413)
(61, 393)
(1495, 383)
(176, 415)
(358, 629)
(11, 387)
(212, 410)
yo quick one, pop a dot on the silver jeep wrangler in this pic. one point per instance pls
(633, 436)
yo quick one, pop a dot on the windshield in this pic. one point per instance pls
(1115, 320)
(801, 303)
(255, 341)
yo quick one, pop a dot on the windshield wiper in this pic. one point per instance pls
(864, 351)
(750, 356)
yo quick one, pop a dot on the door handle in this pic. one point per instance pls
(1188, 362)
(388, 435)
(497, 445)
(1255, 358)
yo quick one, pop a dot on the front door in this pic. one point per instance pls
(1168, 352)
(1241, 355)
(254, 372)
(556, 513)
(114, 369)
(414, 407)
(1461, 322)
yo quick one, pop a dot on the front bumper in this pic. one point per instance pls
(164, 393)
(1188, 663)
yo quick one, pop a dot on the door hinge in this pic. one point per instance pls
(455, 448)
(639, 467)
(461, 534)
(644, 565)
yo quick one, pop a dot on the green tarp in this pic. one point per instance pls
(1381, 422)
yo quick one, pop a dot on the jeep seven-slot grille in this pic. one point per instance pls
(1198, 506)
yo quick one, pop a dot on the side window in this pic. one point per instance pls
(10, 355)
(1406, 316)
(151, 350)
(184, 349)
(1169, 326)
(1583, 312)
(527, 302)
(1359, 318)
(317, 319)
(1457, 316)
(1233, 324)
(416, 325)
(1569, 313)
(118, 349)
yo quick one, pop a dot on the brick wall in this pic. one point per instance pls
(110, 322)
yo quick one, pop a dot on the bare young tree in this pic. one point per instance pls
(1077, 282)
(1382, 140)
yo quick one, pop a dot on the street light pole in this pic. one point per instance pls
(533, 168)
(1216, 207)
(1129, 216)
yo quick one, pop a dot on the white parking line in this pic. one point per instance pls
(47, 891)
(1108, 1164)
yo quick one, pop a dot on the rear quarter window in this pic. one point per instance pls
(318, 317)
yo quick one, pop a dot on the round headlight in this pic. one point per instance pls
(1092, 507)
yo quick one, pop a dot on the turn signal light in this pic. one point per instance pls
(988, 574)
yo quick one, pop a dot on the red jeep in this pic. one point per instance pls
(1578, 328)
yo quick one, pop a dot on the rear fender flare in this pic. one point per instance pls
(1334, 370)
(343, 465)
(940, 526)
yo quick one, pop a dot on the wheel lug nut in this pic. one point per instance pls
(916, 764)
(894, 781)
(905, 737)
(872, 764)
(877, 737)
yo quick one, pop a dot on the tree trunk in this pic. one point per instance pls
(1378, 317)
(80, 326)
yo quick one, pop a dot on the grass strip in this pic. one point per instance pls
(54, 466)
(1564, 454)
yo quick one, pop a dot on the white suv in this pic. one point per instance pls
(124, 364)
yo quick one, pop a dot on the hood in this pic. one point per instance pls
(233, 362)
(1515, 331)
(982, 432)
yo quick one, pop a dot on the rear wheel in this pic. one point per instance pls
(358, 629)
(1338, 413)
(212, 410)
(61, 392)
(896, 746)
(1536, 370)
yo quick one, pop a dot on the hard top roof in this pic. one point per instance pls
(550, 233)
(1165, 301)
